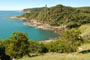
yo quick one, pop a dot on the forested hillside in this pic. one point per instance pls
(60, 15)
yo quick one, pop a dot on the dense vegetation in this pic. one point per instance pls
(61, 15)
(68, 42)
(18, 45)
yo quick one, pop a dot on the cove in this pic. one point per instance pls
(8, 26)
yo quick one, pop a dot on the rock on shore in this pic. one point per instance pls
(18, 18)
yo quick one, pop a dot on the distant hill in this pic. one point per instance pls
(33, 9)
(60, 15)
(85, 8)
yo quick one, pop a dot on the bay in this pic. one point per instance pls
(8, 26)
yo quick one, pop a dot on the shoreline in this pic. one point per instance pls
(56, 29)
(18, 18)
(36, 24)
(39, 25)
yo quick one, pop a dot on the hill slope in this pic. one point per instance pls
(60, 15)
(57, 56)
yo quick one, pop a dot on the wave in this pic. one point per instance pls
(28, 24)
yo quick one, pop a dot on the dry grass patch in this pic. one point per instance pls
(58, 56)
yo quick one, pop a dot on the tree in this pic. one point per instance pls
(3, 55)
(17, 45)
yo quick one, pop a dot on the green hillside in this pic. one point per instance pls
(61, 15)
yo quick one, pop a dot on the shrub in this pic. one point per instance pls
(86, 40)
(37, 47)
(68, 42)
(3, 55)
(17, 45)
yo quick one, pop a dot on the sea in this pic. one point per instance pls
(8, 26)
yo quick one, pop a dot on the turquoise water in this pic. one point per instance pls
(7, 26)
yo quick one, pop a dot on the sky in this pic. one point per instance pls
(22, 4)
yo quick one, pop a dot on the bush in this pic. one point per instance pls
(68, 42)
(86, 40)
(3, 55)
(17, 45)
(37, 47)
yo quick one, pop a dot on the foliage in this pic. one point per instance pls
(3, 55)
(86, 40)
(68, 42)
(17, 45)
(37, 47)
(2, 52)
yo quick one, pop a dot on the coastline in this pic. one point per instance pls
(39, 25)
(18, 18)
(34, 22)
(56, 29)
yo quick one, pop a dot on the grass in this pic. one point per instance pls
(86, 46)
(63, 56)
(85, 29)
(58, 56)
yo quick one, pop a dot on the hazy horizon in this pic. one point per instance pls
(22, 4)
